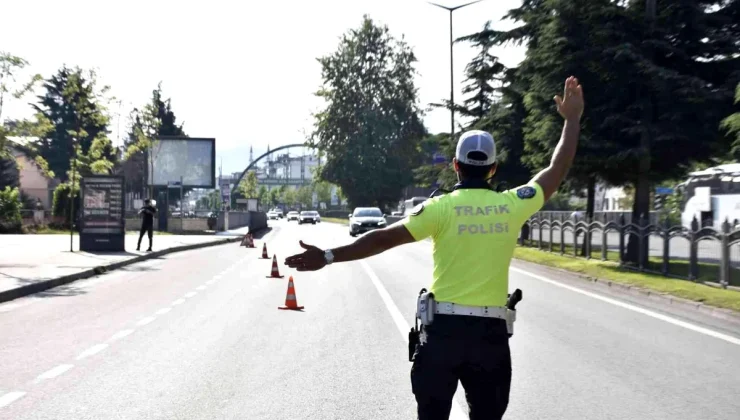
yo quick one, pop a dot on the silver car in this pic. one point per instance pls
(365, 219)
(309, 217)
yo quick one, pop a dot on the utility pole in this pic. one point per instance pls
(452, 70)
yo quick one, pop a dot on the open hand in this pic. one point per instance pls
(570, 106)
(311, 259)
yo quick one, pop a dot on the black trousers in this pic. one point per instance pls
(474, 351)
(149, 229)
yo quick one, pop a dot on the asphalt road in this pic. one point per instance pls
(197, 335)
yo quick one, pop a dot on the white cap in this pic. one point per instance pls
(476, 141)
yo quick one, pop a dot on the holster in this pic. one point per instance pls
(425, 307)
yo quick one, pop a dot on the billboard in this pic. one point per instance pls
(193, 159)
(102, 221)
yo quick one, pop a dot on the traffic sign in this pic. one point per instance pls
(664, 190)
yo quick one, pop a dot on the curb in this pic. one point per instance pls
(674, 301)
(43, 285)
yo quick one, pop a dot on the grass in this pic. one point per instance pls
(610, 270)
(334, 220)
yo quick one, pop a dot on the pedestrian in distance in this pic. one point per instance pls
(147, 223)
(466, 327)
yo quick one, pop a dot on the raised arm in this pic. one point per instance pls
(570, 107)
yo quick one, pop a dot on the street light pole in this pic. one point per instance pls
(452, 70)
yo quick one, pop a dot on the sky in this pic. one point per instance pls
(242, 72)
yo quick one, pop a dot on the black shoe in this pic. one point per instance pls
(149, 250)
(138, 248)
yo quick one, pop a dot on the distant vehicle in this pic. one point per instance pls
(712, 196)
(409, 205)
(365, 219)
(272, 215)
(292, 215)
(278, 211)
(309, 217)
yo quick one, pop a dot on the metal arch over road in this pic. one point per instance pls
(251, 165)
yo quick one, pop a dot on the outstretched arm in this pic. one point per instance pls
(570, 107)
(372, 243)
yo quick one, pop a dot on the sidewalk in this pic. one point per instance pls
(28, 260)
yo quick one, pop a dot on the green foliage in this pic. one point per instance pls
(288, 197)
(370, 126)
(76, 109)
(60, 204)
(263, 196)
(9, 173)
(10, 210)
(732, 125)
(248, 185)
(304, 196)
(10, 65)
(323, 192)
(274, 196)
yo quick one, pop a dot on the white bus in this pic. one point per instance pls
(712, 196)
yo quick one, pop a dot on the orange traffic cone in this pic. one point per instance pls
(251, 241)
(245, 240)
(264, 252)
(290, 301)
(275, 274)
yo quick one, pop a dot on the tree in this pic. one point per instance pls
(9, 173)
(732, 125)
(10, 65)
(263, 196)
(370, 126)
(274, 197)
(153, 120)
(304, 196)
(288, 197)
(248, 185)
(77, 113)
(10, 210)
(323, 192)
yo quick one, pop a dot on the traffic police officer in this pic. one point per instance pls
(474, 230)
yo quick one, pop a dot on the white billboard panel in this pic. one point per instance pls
(193, 159)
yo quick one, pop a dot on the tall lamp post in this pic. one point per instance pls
(452, 70)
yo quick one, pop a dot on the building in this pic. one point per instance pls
(33, 182)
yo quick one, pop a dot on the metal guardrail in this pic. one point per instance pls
(696, 236)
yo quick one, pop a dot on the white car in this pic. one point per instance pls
(364, 219)
(292, 215)
(309, 217)
(271, 215)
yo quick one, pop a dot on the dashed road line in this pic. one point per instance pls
(145, 321)
(120, 334)
(10, 398)
(162, 311)
(92, 351)
(190, 294)
(53, 373)
(178, 302)
(201, 287)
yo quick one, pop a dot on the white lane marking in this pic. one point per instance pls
(210, 282)
(120, 334)
(162, 311)
(178, 302)
(634, 308)
(92, 350)
(201, 287)
(403, 327)
(145, 321)
(53, 373)
(190, 294)
(10, 397)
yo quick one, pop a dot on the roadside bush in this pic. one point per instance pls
(10, 211)
(60, 206)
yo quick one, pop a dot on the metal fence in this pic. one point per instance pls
(701, 254)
